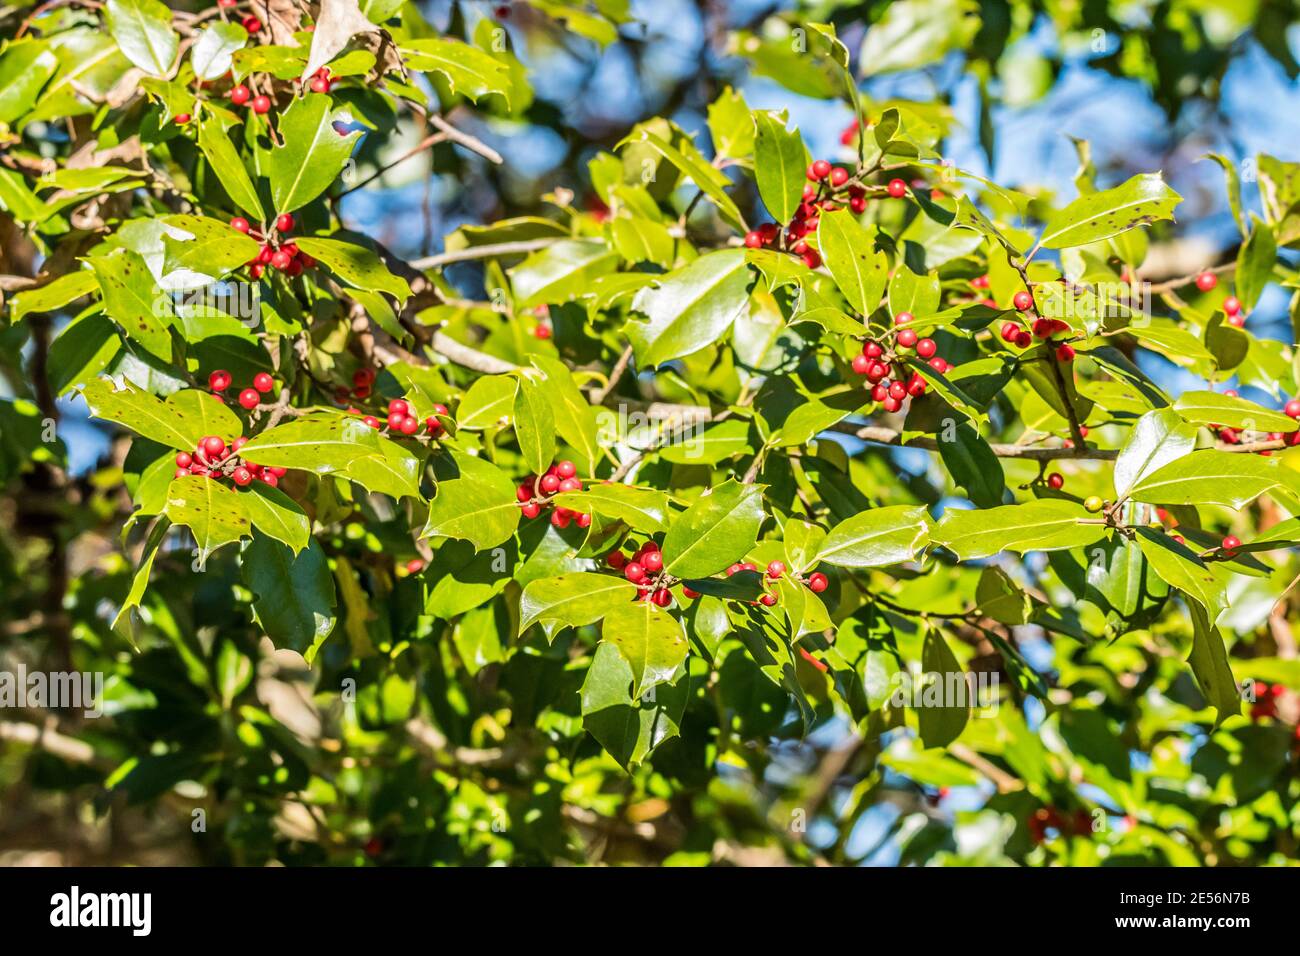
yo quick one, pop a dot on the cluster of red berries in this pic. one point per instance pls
(1050, 818)
(1013, 333)
(645, 569)
(275, 254)
(875, 363)
(249, 398)
(213, 458)
(240, 95)
(401, 417)
(1266, 698)
(1205, 281)
(828, 188)
(536, 492)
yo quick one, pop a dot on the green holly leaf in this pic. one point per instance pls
(1046, 525)
(224, 160)
(644, 509)
(478, 506)
(940, 723)
(628, 727)
(689, 308)
(133, 300)
(180, 422)
(293, 594)
(717, 530)
(471, 72)
(534, 423)
(1096, 216)
(356, 265)
(214, 513)
(861, 272)
(1212, 477)
(650, 639)
(877, 538)
(560, 272)
(211, 55)
(276, 515)
(1206, 408)
(143, 31)
(574, 599)
(1159, 437)
(488, 403)
(780, 163)
(312, 156)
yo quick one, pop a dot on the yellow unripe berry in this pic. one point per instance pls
(1093, 503)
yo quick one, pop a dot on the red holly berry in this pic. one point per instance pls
(570, 484)
(432, 425)
(1206, 281)
(250, 398)
(251, 24)
(542, 331)
(219, 380)
(767, 599)
(897, 188)
(408, 425)
(662, 597)
(281, 260)
(1009, 332)
(320, 84)
(1065, 353)
(240, 95)
(414, 566)
(1023, 339)
(261, 104)
(818, 582)
(1023, 301)
(634, 572)
(1230, 545)
(891, 404)
(1292, 408)
(212, 446)
(531, 509)
(753, 240)
(184, 459)
(839, 176)
(903, 318)
(561, 518)
(916, 386)
(860, 364)
(812, 259)
(690, 593)
(1237, 321)
(371, 421)
(399, 406)
(565, 469)
(283, 222)
(263, 382)
(775, 569)
(255, 270)
(1232, 305)
(1056, 480)
(819, 170)
(182, 118)
(926, 348)
(906, 338)
(616, 559)
(872, 350)
(241, 476)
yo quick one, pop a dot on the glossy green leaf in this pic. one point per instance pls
(877, 538)
(1144, 199)
(717, 530)
(650, 639)
(214, 513)
(1046, 525)
(313, 154)
(690, 308)
(572, 600)
(143, 31)
(849, 251)
(780, 161)
(479, 506)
